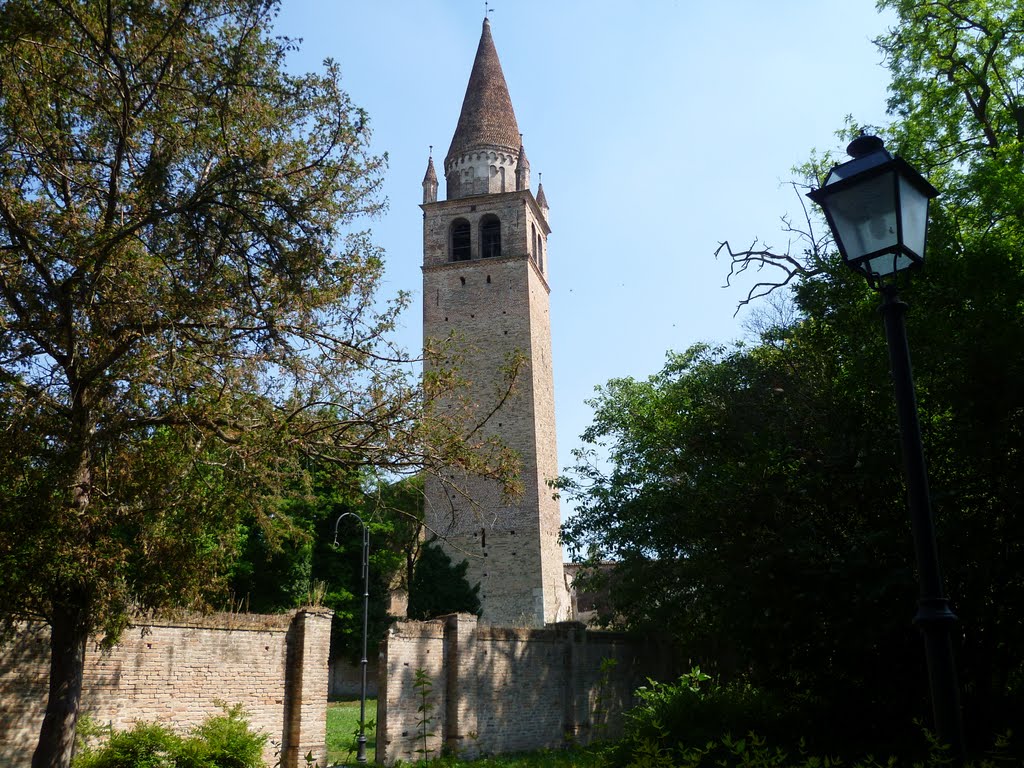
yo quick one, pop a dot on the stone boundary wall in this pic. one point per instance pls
(495, 690)
(177, 671)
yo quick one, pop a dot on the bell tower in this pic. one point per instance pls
(485, 286)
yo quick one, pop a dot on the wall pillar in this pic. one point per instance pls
(307, 680)
(462, 701)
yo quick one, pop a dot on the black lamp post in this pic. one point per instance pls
(361, 740)
(877, 207)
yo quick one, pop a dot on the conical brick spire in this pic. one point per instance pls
(542, 199)
(430, 182)
(431, 175)
(522, 169)
(487, 118)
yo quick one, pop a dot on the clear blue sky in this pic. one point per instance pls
(660, 128)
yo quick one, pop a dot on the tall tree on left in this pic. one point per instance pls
(185, 328)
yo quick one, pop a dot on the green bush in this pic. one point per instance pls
(225, 741)
(222, 741)
(681, 725)
(752, 751)
(695, 711)
(146, 745)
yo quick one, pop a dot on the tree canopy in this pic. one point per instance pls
(752, 496)
(440, 587)
(189, 325)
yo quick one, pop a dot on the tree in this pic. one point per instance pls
(294, 556)
(753, 500)
(747, 512)
(187, 316)
(439, 587)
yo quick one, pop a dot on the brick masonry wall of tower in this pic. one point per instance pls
(493, 308)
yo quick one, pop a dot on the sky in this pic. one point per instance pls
(660, 128)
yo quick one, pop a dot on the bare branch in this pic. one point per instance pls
(788, 266)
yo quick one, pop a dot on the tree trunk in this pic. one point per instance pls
(67, 658)
(69, 625)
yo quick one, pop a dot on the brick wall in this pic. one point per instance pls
(410, 646)
(176, 672)
(346, 678)
(497, 689)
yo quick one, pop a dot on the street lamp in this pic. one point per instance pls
(877, 208)
(361, 740)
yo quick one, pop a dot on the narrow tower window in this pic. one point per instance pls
(533, 227)
(490, 236)
(460, 240)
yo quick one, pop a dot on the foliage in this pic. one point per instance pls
(752, 497)
(752, 751)
(742, 507)
(281, 559)
(673, 718)
(424, 686)
(681, 724)
(439, 587)
(226, 741)
(222, 741)
(147, 745)
(394, 514)
(188, 321)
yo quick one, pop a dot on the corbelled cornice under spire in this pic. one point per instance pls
(487, 118)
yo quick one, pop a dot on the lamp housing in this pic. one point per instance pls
(877, 208)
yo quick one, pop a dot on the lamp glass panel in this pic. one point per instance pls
(914, 207)
(887, 264)
(864, 216)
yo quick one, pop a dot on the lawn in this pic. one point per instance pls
(343, 721)
(342, 727)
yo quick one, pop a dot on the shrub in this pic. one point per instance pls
(753, 752)
(695, 711)
(222, 741)
(681, 725)
(146, 745)
(226, 741)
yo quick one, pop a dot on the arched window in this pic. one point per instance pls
(461, 243)
(490, 236)
(533, 227)
(540, 253)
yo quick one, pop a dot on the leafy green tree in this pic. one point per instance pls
(742, 505)
(402, 503)
(339, 567)
(187, 314)
(440, 587)
(293, 558)
(753, 498)
(957, 92)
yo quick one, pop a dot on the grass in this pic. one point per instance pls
(342, 727)
(563, 758)
(343, 722)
